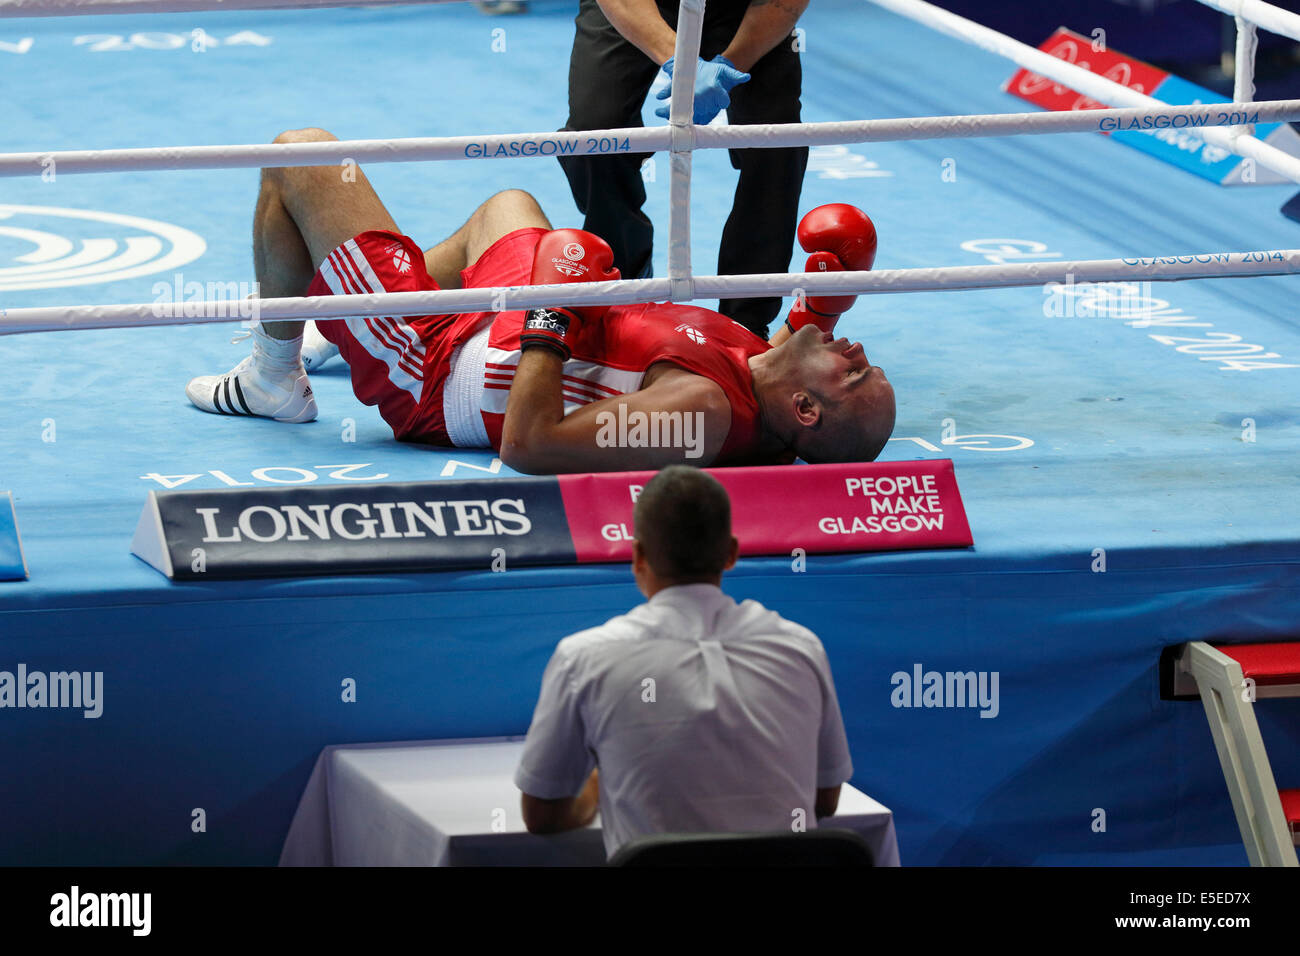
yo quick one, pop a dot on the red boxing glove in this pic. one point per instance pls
(839, 236)
(844, 230)
(566, 255)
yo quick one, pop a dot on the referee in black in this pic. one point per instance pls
(749, 65)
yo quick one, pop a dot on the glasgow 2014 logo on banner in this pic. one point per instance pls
(47, 247)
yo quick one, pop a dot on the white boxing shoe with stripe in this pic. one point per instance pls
(270, 383)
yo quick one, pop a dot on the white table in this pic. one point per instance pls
(454, 803)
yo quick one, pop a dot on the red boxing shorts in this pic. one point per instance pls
(400, 363)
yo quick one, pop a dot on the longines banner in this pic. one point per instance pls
(508, 522)
(13, 566)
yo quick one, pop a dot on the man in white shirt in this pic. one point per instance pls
(701, 714)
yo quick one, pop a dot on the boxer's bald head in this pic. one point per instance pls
(683, 529)
(823, 397)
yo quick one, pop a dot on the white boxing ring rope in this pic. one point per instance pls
(1085, 81)
(639, 139)
(1271, 18)
(680, 138)
(931, 279)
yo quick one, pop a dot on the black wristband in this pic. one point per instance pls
(546, 328)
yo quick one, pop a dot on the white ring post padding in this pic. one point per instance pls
(442, 301)
(1077, 78)
(681, 120)
(78, 8)
(639, 139)
(1271, 18)
(1243, 80)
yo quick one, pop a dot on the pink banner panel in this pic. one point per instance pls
(883, 506)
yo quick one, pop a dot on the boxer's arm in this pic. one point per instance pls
(765, 24)
(643, 26)
(538, 438)
(780, 336)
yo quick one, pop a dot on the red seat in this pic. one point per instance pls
(1230, 678)
(1270, 665)
(1291, 810)
(1267, 664)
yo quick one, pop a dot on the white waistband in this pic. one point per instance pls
(462, 394)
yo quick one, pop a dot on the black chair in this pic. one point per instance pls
(821, 847)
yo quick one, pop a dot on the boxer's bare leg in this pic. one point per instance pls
(505, 212)
(303, 214)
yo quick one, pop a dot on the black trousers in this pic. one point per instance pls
(608, 82)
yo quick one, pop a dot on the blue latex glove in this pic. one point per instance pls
(714, 81)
